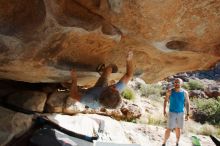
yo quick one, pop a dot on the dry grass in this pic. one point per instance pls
(153, 119)
(201, 129)
(207, 129)
(156, 120)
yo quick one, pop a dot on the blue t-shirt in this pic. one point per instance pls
(90, 98)
(177, 100)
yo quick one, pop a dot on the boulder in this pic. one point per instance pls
(108, 129)
(56, 101)
(131, 111)
(73, 106)
(12, 125)
(212, 74)
(213, 91)
(28, 100)
(182, 76)
(197, 94)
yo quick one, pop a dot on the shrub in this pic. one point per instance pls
(194, 85)
(218, 132)
(207, 110)
(153, 89)
(128, 93)
(155, 120)
(186, 86)
(207, 129)
(201, 129)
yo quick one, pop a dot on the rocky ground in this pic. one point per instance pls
(127, 132)
(149, 135)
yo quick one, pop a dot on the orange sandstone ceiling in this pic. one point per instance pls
(41, 40)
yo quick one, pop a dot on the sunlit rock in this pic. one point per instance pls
(41, 40)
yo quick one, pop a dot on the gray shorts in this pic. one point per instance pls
(175, 120)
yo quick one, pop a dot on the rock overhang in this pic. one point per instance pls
(40, 41)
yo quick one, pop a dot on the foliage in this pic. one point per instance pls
(153, 89)
(186, 86)
(152, 120)
(201, 129)
(207, 129)
(194, 85)
(128, 93)
(218, 132)
(132, 120)
(210, 109)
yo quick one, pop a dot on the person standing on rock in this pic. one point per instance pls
(177, 97)
(101, 94)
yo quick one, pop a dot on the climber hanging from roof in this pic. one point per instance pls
(101, 94)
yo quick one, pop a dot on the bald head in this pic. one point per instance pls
(178, 80)
(178, 83)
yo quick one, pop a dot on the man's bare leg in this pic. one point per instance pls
(177, 134)
(167, 135)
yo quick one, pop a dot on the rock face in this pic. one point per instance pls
(41, 40)
(108, 129)
(213, 91)
(13, 124)
(28, 100)
(213, 74)
(55, 102)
